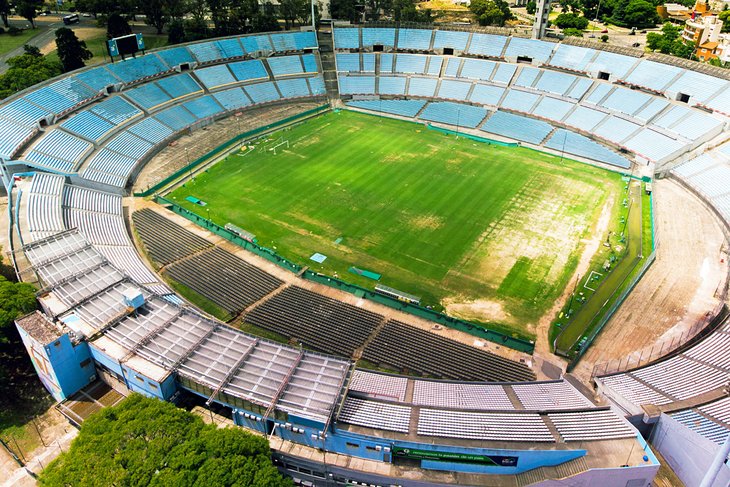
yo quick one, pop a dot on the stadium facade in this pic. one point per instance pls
(71, 145)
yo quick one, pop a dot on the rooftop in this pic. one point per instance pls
(39, 328)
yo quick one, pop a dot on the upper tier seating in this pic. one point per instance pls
(454, 114)
(517, 127)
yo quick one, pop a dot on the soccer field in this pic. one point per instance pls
(490, 233)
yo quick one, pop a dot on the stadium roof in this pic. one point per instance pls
(86, 293)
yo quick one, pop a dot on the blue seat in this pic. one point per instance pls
(176, 56)
(139, 68)
(316, 85)
(248, 70)
(425, 87)
(352, 85)
(176, 117)
(151, 130)
(148, 96)
(454, 114)
(372, 36)
(116, 109)
(415, 39)
(24, 113)
(486, 45)
(293, 88)
(454, 89)
(582, 146)
(449, 39)
(572, 57)
(206, 52)
(203, 107)
(232, 99)
(410, 63)
(391, 85)
(256, 43)
(504, 73)
(310, 63)
(536, 50)
(285, 65)
(349, 62)
(552, 108)
(62, 96)
(477, 69)
(347, 38)
(654, 76)
(487, 94)
(129, 145)
(179, 85)
(61, 145)
(230, 48)
(262, 92)
(517, 127)
(88, 125)
(215, 76)
(521, 101)
(97, 78)
(585, 118)
(405, 108)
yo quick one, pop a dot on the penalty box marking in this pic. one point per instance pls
(590, 276)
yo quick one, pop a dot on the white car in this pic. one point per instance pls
(86, 15)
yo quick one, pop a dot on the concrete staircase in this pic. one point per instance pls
(567, 469)
(329, 69)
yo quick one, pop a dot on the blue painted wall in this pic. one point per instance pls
(59, 364)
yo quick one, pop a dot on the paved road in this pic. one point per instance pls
(46, 27)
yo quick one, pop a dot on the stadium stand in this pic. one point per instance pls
(477, 69)
(404, 108)
(285, 65)
(88, 126)
(453, 40)
(134, 70)
(652, 76)
(517, 127)
(232, 99)
(59, 151)
(373, 414)
(44, 205)
(151, 130)
(486, 45)
(156, 233)
(580, 145)
(502, 426)
(406, 348)
(572, 58)
(520, 101)
(98, 79)
(455, 395)
(293, 88)
(487, 94)
(528, 48)
(116, 110)
(379, 385)
(695, 371)
(414, 39)
(552, 108)
(454, 114)
(228, 281)
(262, 92)
(453, 90)
(316, 321)
(215, 76)
(378, 36)
(424, 87)
(176, 117)
(347, 38)
(543, 396)
(410, 63)
(391, 85)
(176, 56)
(206, 106)
(352, 85)
(249, 70)
(148, 96)
(179, 86)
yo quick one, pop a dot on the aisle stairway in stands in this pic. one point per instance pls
(561, 471)
(329, 68)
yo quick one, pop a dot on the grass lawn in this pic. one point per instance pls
(490, 233)
(95, 39)
(8, 42)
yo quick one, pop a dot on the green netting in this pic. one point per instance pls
(364, 273)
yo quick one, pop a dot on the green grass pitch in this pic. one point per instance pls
(490, 233)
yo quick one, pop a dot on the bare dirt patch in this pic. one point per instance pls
(483, 310)
(427, 222)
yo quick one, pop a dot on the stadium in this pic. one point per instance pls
(407, 255)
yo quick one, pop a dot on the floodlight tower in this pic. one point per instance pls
(541, 19)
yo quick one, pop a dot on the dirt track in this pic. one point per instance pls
(678, 289)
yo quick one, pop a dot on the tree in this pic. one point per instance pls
(572, 32)
(176, 32)
(406, 11)
(724, 16)
(640, 13)
(4, 12)
(155, 13)
(531, 8)
(670, 42)
(71, 51)
(292, 11)
(265, 20)
(16, 299)
(344, 10)
(28, 9)
(491, 12)
(604, 38)
(25, 71)
(571, 21)
(143, 441)
(117, 26)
